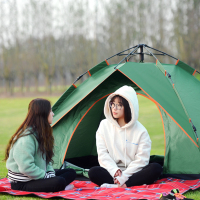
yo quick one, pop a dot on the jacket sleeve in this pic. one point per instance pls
(104, 158)
(141, 158)
(50, 167)
(23, 154)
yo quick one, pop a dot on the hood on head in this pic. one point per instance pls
(130, 95)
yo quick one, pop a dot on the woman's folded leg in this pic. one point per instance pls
(100, 175)
(54, 184)
(147, 175)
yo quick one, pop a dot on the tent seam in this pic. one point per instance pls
(159, 66)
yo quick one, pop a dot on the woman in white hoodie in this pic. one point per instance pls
(123, 144)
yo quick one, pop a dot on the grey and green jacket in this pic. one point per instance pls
(25, 161)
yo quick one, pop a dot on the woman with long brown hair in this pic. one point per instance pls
(30, 150)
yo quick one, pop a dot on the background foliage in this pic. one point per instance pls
(50, 43)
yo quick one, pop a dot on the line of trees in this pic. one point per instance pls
(53, 42)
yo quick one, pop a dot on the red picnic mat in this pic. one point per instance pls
(88, 190)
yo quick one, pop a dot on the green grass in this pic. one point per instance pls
(14, 110)
(149, 116)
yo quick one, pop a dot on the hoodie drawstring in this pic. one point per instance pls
(113, 143)
(125, 148)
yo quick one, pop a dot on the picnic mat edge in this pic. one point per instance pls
(88, 190)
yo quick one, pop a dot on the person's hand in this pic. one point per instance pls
(116, 181)
(118, 173)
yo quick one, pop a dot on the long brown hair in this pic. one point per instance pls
(37, 121)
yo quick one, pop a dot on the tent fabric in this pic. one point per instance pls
(179, 150)
(88, 190)
(74, 95)
(174, 90)
(157, 86)
(188, 88)
(185, 67)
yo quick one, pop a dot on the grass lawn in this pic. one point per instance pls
(14, 110)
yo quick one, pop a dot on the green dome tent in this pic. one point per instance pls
(172, 87)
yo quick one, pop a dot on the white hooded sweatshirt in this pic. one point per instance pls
(126, 148)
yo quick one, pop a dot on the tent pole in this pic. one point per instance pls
(150, 52)
(122, 52)
(79, 77)
(127, 56)
(161, 52)
(141, 53)
(198, 72)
